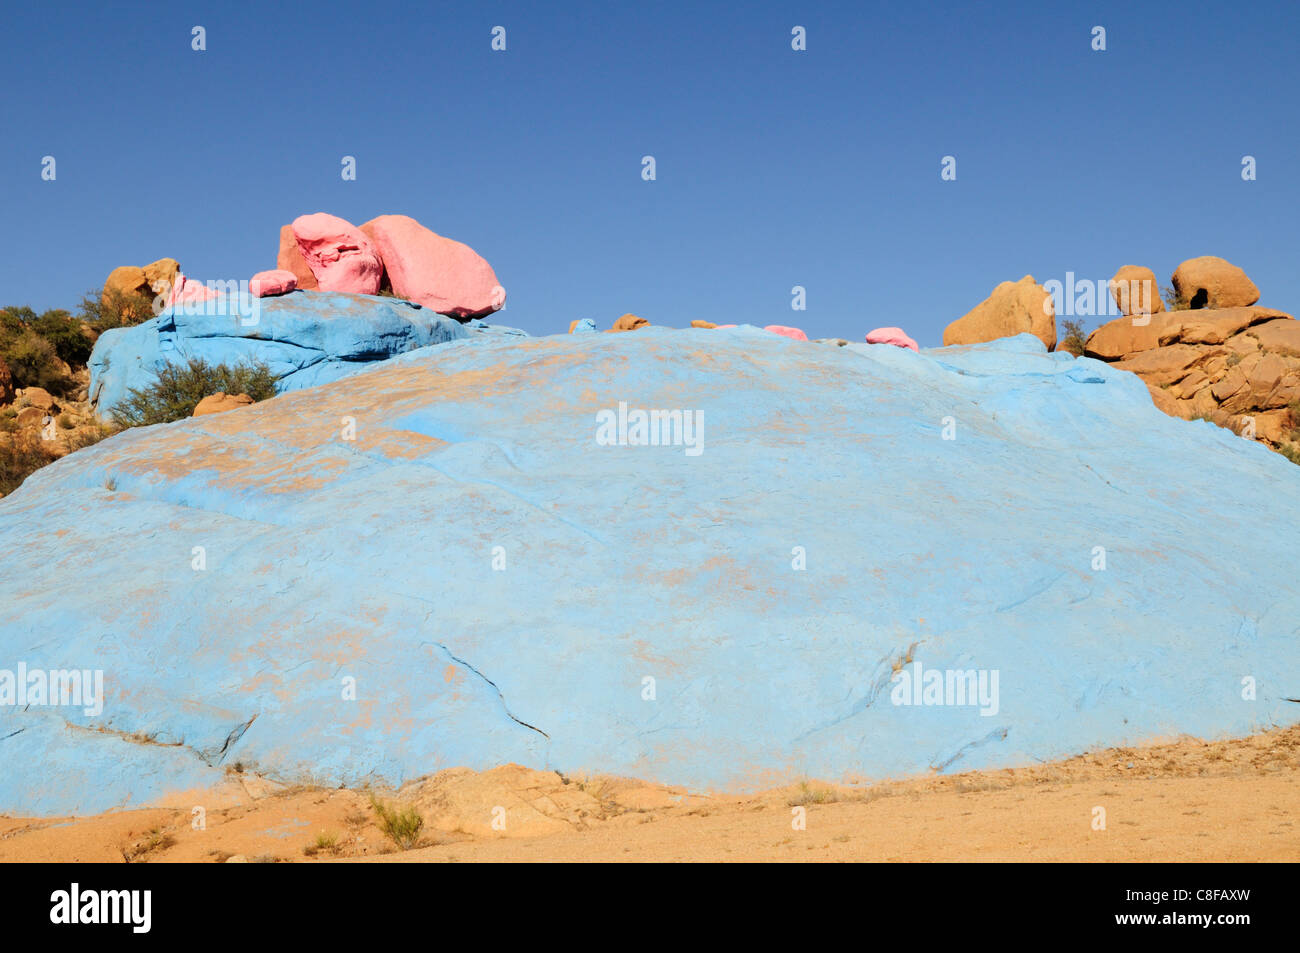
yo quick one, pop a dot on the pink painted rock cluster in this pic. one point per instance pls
(277, 282)
(895, 336)
(338, 254)
(189, 291)
(391, 253)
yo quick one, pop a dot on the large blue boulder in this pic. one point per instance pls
(467, 555)
(306, 338)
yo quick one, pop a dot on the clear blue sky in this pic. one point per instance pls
(775, 168)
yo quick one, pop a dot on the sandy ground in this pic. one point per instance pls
(1190, 800)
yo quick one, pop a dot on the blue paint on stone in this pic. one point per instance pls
(372, 559)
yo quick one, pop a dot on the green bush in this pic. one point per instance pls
(114, 309)
(1075, 335)
(401, 824)
(65, 333)
(179, 389)
(31, 361)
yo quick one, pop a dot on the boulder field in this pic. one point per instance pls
(466, 556)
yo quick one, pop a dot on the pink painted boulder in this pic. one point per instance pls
(894, 336)
(793, 333)
(277, 282)
(721, 326)
(439, 273)
(338, 254)
(189, 291)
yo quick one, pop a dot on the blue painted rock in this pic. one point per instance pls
(719, 560)
(306, 338)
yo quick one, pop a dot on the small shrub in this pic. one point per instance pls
(20, 457)
(114, 309)
(401, 824)
(66, 422)
(179, 389)
(1075, 335)
(1291, 451)
(1234, 359)
(1172, 301)
(326, 842)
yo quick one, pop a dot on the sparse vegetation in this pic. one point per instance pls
(809, 795)
(1234, 359)
(179, 389)
(401, 824)
(20, 457)
(1172, 301)
(1075, 336)
(327, 842)
(114, 309)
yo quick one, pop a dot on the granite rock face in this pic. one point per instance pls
(499, 564)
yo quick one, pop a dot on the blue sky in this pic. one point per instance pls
(775, 168)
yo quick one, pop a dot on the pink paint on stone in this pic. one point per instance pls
(276, 282)
(439, 273)
(721, 326)
(189, 291)
(786, 332)
(894, 336)
(338, 254)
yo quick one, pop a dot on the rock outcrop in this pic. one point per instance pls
(1210, 282)
(1136, 291)
(338, 254)
(629, 322)
(306, 338)
(220, 402)
(1238, 366)
(439, 273)
(441, 563)
(1014, 307)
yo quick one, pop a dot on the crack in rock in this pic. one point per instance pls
(997, 734)
(504, 707)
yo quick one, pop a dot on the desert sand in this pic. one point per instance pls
(1188, 800)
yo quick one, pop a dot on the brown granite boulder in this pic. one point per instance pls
(1014, 307)
(1210, 282)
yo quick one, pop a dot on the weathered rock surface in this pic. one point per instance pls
(1210, 282)
(1014, 307)
(372, 560)
(1136, 290)
(220, 402)
(1239, 366)
(290, 259)
(629, 322)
